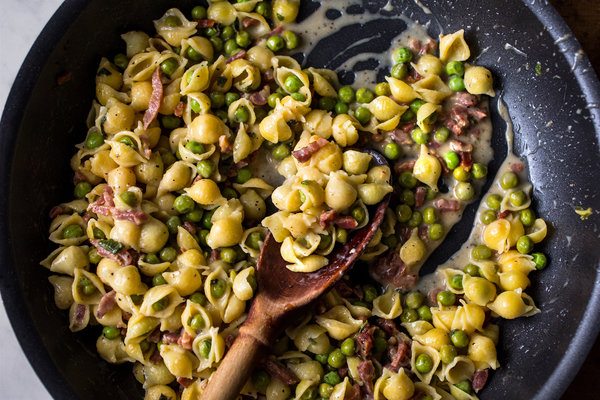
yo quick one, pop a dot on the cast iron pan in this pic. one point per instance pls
(556, 116)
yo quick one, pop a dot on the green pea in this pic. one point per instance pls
(171, 122)
(243, 175)
(390, 241)
(167, 157)
(346, 94)
(456, 282)
(217, 288)
(161, 304)
(206, 219)
(359, 214)
(291, 40)
(158, 280)
(407, 197)
(488, 216)
(431, 194)
(222, 114)
(205, 168)
(243, 39)
(379, 345)
(198, 12)
(364, 95)
(416, 104)
(325, 390)
(72, 231)
(217, 99)
(435, 231)
(151, 258)
(93, 256)
(399, 71)
(204, 348)
(415, 219)
(196, 322)
(198, 298)
(341, 108)
(193, 55)
(402, 54)
(407, 180)
(336, 359)
(195, 215)
(362, 115)
(184, 204)
(332, 378)
(456, 83)
(464, 190)
(403, 213)
(88, 290)
(409, 315)
(524, 245)
(465, 386)
(263, 8)
(195, 106)
(230, 47)
(540, 260)
(442, 134)
(431, 118)
(429, 215)
(418, 136)
(383, 89)
(94, 140)
(408, 115)
(423, 363)
(280, 152)
(509, 180)
(168, 254)
(479, 171)
(481, 252)
(446, 298)
(459, 338)
(169, 66)
(126, 140)
(341, 235)
(228, 32)
(272, 99)
(348, 347)
(527, 217)
(275, 43)
(121, 61)
(228, 255)
(321, 358)
(177, 50)
(260, 380)
(455, 68)
(81, 189)
(472, 269)
(260, 113)
(425, 313)
(230, 97)
(327, 103)
(414, 300)
(211, 31)
(461, 174)
(241, 115)
(298, 96)
(137, 299)
(255, 240)
(325, 242)
(111, 332)
(370, 293)
(172, 21)
(292, 83)
(128, 198)
(517, 198)
(229, 193)
(494, 201)
(448, 353)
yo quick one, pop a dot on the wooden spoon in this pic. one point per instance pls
(280, 292)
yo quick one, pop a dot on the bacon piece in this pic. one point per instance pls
(107, 303)
(190, 227)
(353, 393)
(154, 337)
(479, 379)
(390, 269)
(155, 98)
(205, 22)
(466, 160)
(457, 145)
(429, 46)
(343, 288)
(503, 214)
(246, 22)
(80, 314)
(108, 196)
(260, 98)
(278, 370)
(156, 358)
(432, 295)
(275, 31)
(415, 45)
(404, 166)
(402, 135)
(179, 108)
(78, 177)
(420, 194)
(225, 144)
(236, 56)
(445, 205)
(56, 211)
(365, 342)
(170, 337)
(388, 326)
(64, 78)
(185, 340)
(465, 99)
(399, 356)
(305, 153)
(268, 76)
(214, 255)
(516, 168)
(123, 257)
(146, 145)
(346, 222)
(476, 113)
(343, 371)
(458, 121)
(366, 373)
(185, 382)
(327, 217)
(423, 235)
(136, 216)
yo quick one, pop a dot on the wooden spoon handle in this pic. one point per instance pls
(233, 372)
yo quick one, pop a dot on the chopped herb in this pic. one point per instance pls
(538, 69)
(111, 245)
(583, 213)
(103, 71)
(306, 182)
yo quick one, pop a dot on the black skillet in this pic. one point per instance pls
(557, 119)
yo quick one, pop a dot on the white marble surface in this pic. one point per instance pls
(22, 21)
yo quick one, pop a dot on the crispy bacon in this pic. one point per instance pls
(155, 98)
(415, 45)
(146, 145)
(107, 303)
(388, 326)
(404, 166)
(390, 269)
(246, 22)
(236, 56)
(445, 205)
(516, 168)
(365, 342)
(343, 371)
(123, 257)
(326, 218)
(479, 379)
(190, 227)
(366, 373)
(402, 134)
(276, 369)
(205, 22)
(423, 235)
(78, 177)
(179, 108)
(185, 340)
(170, 337)
(457, 145)
(420, 194)
(136, 216)
(476, 113)
(503, 214)
(305, 153)
(154, 337)
(345, 222)
(214, 255)
(259, 98)
(399, 356)
(156, 358)
(465, 99)
(267, 76)
(275, 31)
(353, 393)
(56, 211)
(429, 46)
(64, 78)
(80, 314)
(108, 196)
(185, 382)
(225, 144)
(458, 121)
(466, 160)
